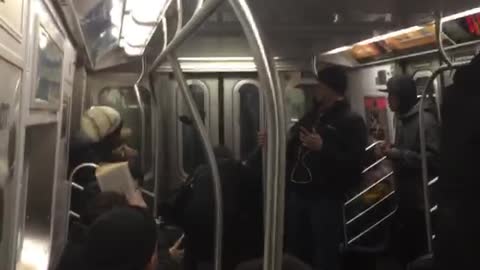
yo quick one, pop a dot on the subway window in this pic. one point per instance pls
(249, 117)
(192, 149)
(296, 105)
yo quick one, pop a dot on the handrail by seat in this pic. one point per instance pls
(371, 146)
(360, 235)
(374, 164)
(368, 188)
(370, 208)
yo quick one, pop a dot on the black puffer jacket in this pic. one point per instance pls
(337, 167)
(458, 188)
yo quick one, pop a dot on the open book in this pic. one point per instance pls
(116, 177)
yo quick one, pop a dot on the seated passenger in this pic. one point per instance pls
(242, 214)
(122, 239)
(98, 141)
(409, 230)
(289, 263)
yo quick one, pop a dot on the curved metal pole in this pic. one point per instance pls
(79, 167)
(138, 95)
(276, 126)
(207, 147)
(190, 27)
(423, 152)
(179, 15)
(439, 35)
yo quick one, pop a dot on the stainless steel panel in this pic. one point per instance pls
(10, 76)
(11, 16)
(39, 174)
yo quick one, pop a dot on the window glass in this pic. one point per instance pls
(249, 118)
(192, 151)
(296, 104)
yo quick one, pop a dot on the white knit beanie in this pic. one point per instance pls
(99, 122)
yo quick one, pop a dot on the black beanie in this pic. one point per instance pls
(334, 77)
(122, 239)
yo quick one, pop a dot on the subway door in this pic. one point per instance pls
(186, 147)
(243, 114)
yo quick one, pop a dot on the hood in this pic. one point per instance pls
(430, 106)
(405, 89)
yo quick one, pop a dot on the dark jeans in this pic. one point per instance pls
(314, 229)
(409, 237)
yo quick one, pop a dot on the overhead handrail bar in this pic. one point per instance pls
(276, 125)
(368, 188)
(439, 35)
(188, 29)
(371, 146)
(423, 151)
(141, 107)
(370, 208)
(179, 15)
(207, 147)
(372, 227)
(374, 164)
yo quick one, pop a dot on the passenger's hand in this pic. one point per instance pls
(394, 153)
(311, 140)
(175, 252)
(136, 199)
(262, 138)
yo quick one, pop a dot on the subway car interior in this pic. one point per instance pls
(188, 76)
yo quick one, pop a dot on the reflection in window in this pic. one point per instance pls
(249, 118)
(49, 71)
(297, 106)
(192, 150)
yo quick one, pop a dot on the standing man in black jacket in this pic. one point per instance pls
(324, 159)
(409, 230)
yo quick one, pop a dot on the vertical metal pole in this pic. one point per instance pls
(198, 122)
(275, 171)
(439, 36)
(136, 87)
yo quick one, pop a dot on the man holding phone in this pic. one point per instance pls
(325, 156)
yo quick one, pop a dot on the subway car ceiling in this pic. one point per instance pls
(115, 32)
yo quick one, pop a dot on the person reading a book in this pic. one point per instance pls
(100, 140)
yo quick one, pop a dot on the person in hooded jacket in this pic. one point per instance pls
(409, 231)
(458, 219)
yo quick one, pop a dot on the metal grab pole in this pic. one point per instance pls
(439, 36)
(190, 27)
(212, 162)
(423, 152)
(276, 126)
(136, 87)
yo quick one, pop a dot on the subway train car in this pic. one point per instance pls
(189, 75)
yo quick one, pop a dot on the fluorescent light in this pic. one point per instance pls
(132, 51)
(461, 14)
(221, 59)
(116, 12)
(337, 50)
(389, 35)
(135, 34)
(148, 11)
